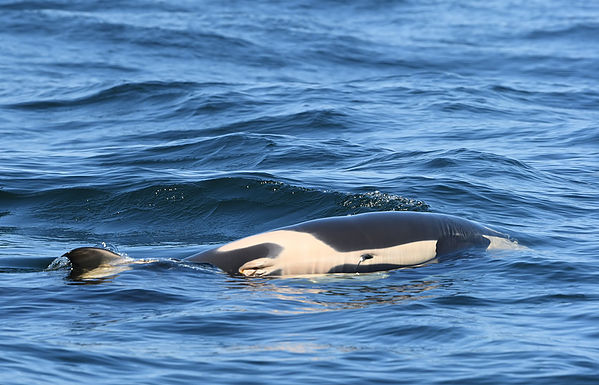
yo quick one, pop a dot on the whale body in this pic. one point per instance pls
(349, 244)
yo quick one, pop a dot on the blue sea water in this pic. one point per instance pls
(159, 128)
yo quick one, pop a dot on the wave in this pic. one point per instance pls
(574, 31)
(143, 92)
(182, 36)
(212, 210)
(570, 97)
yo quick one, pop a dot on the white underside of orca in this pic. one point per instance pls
(317, 257)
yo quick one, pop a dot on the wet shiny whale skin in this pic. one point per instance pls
(349, 244)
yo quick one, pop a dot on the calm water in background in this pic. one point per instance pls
(161, 128)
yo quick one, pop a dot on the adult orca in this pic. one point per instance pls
(349, 244)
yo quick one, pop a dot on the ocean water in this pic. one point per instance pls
(160, 128)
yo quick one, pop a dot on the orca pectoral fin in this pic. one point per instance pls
(257, 267)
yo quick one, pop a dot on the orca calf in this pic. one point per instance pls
(350, 244)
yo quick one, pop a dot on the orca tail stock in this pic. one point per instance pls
(94, 262)
(90, 263)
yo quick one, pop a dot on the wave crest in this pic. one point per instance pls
(210, 211)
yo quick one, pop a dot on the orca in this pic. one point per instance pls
(362, 243)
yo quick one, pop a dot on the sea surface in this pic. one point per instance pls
(160, 128)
